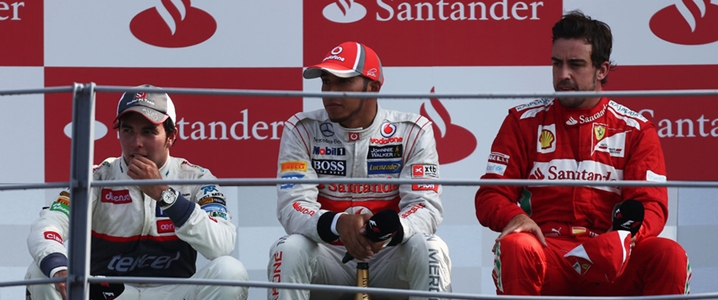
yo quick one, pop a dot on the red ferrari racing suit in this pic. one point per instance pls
(132, 236)
(396, 145)
(544, 141)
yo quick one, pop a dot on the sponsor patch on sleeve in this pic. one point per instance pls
(494, 168)
(208, 200)
(499, 157)
(425, 187)
(61, 207)
(424, 171)
(217, 214)
(53, 236)
(214, 207)
(651, 176)
(64, 198)
(293, 166)
(165, 226)
(290, 176)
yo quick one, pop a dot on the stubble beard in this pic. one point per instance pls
(354, 112)
(350, 115)
(576, 102)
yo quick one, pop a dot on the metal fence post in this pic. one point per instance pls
(83, 117)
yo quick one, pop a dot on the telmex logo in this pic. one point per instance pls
(350, 11)
(174, 24)
(453, 142)
(688, 22)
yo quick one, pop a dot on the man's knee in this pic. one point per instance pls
(662, 251)
(292, 247)
(228, 268)
(518, 243)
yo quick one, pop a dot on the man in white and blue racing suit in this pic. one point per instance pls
(147, 231)
(355, 138)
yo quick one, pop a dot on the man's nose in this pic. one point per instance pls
(564, 72)
(136, 140)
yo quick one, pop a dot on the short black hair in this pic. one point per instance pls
(576, 25)
(167, 124)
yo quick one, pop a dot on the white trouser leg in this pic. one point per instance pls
(297, 259)
(221, 268)
(422, 263)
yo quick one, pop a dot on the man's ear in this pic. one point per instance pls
(374, 86)
(172, 138)
(603, 70)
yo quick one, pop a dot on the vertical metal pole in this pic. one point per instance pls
(83, 117)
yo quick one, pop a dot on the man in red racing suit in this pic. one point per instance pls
(557, 240)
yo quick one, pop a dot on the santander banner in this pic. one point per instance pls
(453, 142)
(234, 137)
(435, 33)
(687, 126)
(21, 26)
(687, 22)
(173, 24)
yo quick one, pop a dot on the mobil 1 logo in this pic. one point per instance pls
(330, 167)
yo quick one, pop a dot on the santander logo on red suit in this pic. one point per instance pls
(174, 24)
(687, 22)
(453, 142)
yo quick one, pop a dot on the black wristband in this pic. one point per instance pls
(324, 227)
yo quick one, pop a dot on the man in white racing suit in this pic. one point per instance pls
(148, 231)
(355, 138)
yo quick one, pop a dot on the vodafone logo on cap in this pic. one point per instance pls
(453, 142)
(687, 22)
(344, 11)
(174, 24)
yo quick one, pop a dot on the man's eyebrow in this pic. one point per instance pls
(570, 60)
(577, 60)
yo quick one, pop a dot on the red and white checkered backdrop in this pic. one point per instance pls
(440, 46)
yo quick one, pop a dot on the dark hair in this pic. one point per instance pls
(167, 124)
(576, 25)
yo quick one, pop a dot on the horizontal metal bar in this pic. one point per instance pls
(445, 182)
(449, 182)
(280, 93)
(348, 289)
(33, 186)
(32, 282)
(47, 90)
(371, 290)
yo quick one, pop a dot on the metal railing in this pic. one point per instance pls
(81, 182)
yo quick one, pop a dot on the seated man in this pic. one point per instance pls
(150, 231)
(569, 240)
(355, 138)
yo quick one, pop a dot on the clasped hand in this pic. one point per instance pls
(352, 233)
